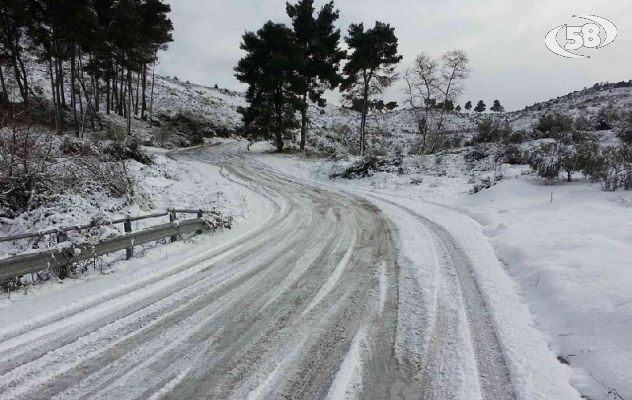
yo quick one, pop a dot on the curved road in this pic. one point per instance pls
(314, 303)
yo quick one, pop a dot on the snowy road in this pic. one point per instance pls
(316, 300)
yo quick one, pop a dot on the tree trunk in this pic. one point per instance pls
(52, 86)
(73, 99)
(137, 90)
(95, 83)
(304, 122)
(143, 106)
(4, 95)
(151, 101)
(25, 79)
(129, 102)
(61, 82)
(114, 97)
(121, 105)
(57, 87)
(115, 94)
(365, 100)
(15, 55)
(107, 95)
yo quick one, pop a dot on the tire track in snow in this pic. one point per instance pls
(493, 375)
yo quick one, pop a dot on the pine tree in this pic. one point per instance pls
(318, 40)
(468, 105)
(14, 19)
(270, 68)
(458, 108)
(497, 107)
(480, 107)
(156, 34)
(370, 67)
(109, 40)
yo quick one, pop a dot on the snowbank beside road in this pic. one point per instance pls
(171, 182)
(569, 248)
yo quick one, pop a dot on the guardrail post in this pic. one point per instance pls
(63, 269)
(172, 218)
(129, 252)
(200, 215)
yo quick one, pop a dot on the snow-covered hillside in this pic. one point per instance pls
(586, 103)
(217, 106)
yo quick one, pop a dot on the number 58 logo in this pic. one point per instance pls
(595, 35)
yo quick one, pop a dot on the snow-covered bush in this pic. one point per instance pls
(562, 156)
(612, 167)
(581, 123)
(545, 161)
(492, 130)
(112, 132)
(625, 133)
(606, 118)
(37, 169)
(516, 137)
(110, 175)
(127, 150)
(27, 169)
(551, 123)
(370, 165)
(182, 129)
(485, 183)
(477, 153)
(512, 154)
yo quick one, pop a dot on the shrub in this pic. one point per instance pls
(625, 133)
(128, 150)
(115, 133)
(369, 165)
(612, 167)
(582, 123)
(545, 161)
(484, 184)
(111, 175)
(477, 153)
(491, 130)
(517, 137)
(26, 169)
(512, 154)
(184, 129)
(552, 123)
(77, 147)
(606, 117)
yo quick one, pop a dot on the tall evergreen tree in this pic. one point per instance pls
(468, 105)
(270, 68)
(480, 106)
(370, 67)
(318, 40)
(156, 34)
(110, 40)
(497, 107)
(14, 20)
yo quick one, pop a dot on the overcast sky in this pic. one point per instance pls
(504, 39)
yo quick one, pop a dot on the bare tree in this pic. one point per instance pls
(429, 81)
(422, 83)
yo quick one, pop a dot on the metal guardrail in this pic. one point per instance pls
(63, 257)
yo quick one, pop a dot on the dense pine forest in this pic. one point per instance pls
(99, 56)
